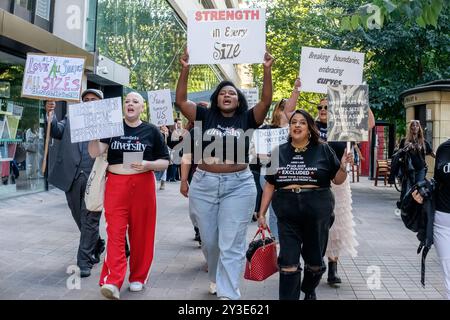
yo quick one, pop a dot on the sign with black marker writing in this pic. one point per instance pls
(322, 67)
(160, 105)
(267, 139)
(252, 96)
(226, 36)
(348, 113)
(96, 120)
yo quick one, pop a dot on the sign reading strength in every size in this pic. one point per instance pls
(52, 77)
(226, 36)
(322, 67)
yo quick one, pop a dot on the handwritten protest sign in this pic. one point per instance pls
(160, 105)
(52, 77)
(348, 113)
(252, 96)
(267, 139)
(322, 67)
(96, 120)
(226, 36)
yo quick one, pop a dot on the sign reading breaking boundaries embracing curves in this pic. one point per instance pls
(52, 77)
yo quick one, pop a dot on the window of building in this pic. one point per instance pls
(21, 133)
(91, 20)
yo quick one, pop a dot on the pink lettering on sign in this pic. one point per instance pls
(227, 15)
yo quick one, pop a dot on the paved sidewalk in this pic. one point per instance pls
(39, 242)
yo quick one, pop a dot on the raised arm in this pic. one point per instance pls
(289, 106)
(262, 107)
(187, 108)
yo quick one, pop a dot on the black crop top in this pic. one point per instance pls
(234, 144)
(316, 166)
(145, 137)
(442, 177)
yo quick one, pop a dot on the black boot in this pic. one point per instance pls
(332, 273)
(310, 296)
(290, 285)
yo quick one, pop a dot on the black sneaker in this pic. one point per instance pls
(99, 248)
(84, 273)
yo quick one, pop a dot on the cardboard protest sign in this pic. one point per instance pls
(252, 96)
(348, 113)
(96, 120)
(226, 36)
(267, 139)
(322, 67)
(160, 105)
(53, 77)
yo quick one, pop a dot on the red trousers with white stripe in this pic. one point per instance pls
(130, 202)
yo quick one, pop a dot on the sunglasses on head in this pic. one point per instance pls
(319, 107)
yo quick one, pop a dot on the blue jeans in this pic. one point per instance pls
(272, 222)
(223, 204)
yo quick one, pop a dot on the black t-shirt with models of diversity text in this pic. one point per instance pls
(316, 166)
(228, 133)
(442, 177)
(146, 137)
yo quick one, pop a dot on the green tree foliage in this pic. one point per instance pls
(373, 15)
(399, 56)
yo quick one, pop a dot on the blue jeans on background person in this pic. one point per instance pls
(172, 173)
(161, 175)
(272, 220)
(223, 204)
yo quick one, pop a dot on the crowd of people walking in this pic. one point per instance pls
(300, 189)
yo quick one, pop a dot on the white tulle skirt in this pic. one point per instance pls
(341, 239)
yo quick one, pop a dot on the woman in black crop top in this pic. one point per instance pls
(222, 193)
(130, 198)
(441, 227)
(299, 187)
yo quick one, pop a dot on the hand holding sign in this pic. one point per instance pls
(268, 60)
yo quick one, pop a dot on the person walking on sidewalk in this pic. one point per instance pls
(280, 119)
(441, 228)
(341, 239)
(413, 150)
(303, 202)
(223, 193)
(130, 198)
(70, 173)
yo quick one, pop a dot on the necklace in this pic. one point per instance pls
(301, 149)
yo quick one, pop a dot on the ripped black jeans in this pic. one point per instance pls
(304, 220)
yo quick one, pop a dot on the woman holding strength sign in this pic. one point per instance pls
(130, 198)
(222, 193)
(303, 202)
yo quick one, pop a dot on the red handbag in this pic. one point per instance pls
(263, 261)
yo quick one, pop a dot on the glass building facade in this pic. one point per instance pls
(21, 132)
(148, 37)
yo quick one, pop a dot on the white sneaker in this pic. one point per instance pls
(136, 286)
(224, 298)
(212, 288)
(110, 291)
